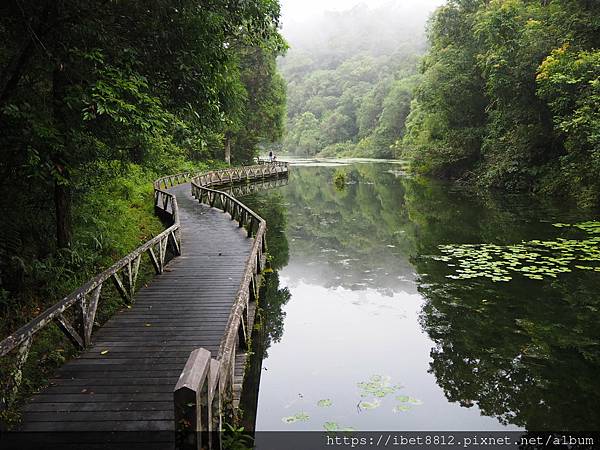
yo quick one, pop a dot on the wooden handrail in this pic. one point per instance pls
(243, 189)
(277, 163)
(124, 272)
(237, 330)
(126, 285)
(85, 299)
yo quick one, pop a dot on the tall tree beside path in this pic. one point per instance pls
(83, 83)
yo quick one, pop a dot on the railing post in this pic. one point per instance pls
(191, 402)
(9, 391)
(214, 398)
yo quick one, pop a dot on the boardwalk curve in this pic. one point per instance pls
(183, 336)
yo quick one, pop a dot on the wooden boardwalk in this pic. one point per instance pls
(130, 387)
(124, 381)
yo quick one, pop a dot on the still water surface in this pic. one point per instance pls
(363, 329)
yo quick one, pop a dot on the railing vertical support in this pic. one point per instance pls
(9, 391)
(191, 402)
(216, 406)
(89, 306)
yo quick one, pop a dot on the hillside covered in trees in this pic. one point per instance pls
(97, 99)
(350, 77)
(509, 97)
(500, 93)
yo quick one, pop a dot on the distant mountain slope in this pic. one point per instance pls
(350, 77)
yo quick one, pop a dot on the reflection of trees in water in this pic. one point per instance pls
(356, 237)
(271, 206)
(268, 329)
(527, 352)
(269, 324)
(527, 361)
(272, 314)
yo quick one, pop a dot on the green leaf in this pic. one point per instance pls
(324, 403)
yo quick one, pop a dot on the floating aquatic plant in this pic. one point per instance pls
(339, 180)
(400, 408)
(332, 426)
(369, 405)
(377, 386)
(406, 403)
(535, 259)
(592, 227)
(300, 417)
(407, 399)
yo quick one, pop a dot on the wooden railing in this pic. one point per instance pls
(83, 302)
(276, 163)
(243, 189)
(206, 384)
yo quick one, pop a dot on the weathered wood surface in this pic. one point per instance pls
(84, 300)
(130, 387)
(125, 380)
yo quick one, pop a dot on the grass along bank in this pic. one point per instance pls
(111, 220)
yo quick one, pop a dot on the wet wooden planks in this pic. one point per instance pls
(125, 381)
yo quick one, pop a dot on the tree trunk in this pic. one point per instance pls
(12, 73)
(60, 158)
(62, 205)
(227, 148)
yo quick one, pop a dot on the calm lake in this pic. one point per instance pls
(377, 316)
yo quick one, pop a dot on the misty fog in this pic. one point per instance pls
(350, 26)
(350, 73)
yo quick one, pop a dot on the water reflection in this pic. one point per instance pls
(366, 302)
(526, 352)
(357, 237)
(268, 327)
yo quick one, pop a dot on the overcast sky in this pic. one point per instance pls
(300, 10)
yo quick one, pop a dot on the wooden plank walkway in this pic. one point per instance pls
(130, 386)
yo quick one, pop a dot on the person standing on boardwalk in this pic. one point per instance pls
(271, 156)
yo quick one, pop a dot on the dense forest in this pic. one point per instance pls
(509, 97)
(505, 96)
(97, 99)
(350, 77)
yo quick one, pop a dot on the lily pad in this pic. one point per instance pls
(407, 399)
(534, 259)
(377, 386)
(370, 405)
(400, 408)
(332, 426)
(300, 417)
(325, 403)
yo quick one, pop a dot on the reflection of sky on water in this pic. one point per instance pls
(366, 300)
(341, 270)
(354, 313)
(335, 338)
(340, 162)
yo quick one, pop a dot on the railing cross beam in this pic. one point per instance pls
(124, 273)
